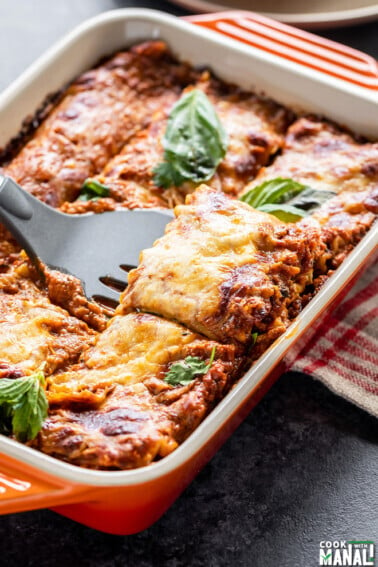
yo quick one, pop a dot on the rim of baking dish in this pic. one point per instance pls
(262, 367)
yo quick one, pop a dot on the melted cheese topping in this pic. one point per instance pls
(318, 154)
(133, 348)
(217, 268)
(35, 334)
(28, 343)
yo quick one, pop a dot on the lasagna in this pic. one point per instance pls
(222, 283)
(320, 154)
(239, 270)
(132, 416)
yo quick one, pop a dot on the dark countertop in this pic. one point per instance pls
(302, 468)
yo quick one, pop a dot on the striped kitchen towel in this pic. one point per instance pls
(343, 354)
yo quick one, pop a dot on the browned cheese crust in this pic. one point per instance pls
(99, 112)
(321, 155)
(255, 128)
(114, 409)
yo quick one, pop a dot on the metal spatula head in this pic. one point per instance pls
(99, 249)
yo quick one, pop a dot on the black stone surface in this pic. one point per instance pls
(302, 468)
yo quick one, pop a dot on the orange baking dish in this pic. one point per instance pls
(295, 68)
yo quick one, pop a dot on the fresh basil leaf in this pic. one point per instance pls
(5, 420)
(284, 212)
(285, 198)
(194, 142)
(23, 406)
(310, 199)
(254, 338)
(92, 190)
(167, 176)
(278, 190)
(183, 372)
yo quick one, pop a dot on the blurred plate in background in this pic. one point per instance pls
(315, 13)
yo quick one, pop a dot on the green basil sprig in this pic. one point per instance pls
(194, 142)
(285, 198)
(284, 212)
(183, 372)
(23, 406)
(92, 190)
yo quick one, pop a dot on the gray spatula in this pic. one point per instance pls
(99, 249)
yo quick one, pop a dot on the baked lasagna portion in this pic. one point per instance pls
(224, 281)
(114, 409)
(323, 156)
(255, 127)
(241, 277)
(238, 272)
(98, 113)
(34, 333)
(109, 123)
(320, 154)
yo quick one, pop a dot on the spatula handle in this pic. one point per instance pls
(13, 201)
(18, 213)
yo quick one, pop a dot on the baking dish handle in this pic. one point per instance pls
(295, 45)
(23, 488)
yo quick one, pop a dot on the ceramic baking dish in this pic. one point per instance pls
(295, 68)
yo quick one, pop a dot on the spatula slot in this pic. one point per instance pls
(105, 301)
(127, 267)
(113, 283)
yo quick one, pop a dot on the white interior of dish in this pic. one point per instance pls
(285, 81)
